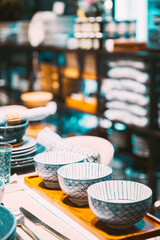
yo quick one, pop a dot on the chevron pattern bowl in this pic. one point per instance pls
(47, 164)
(74, 179)
(119, 203)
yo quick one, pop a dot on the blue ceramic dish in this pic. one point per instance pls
(13, 133)
(8, 224)
(74, 179)
(47, 164)
(119, 203)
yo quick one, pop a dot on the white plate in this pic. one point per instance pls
(22, 162)
(39, 149)
(28, 142)
(97, 144)
(18, 160)
(23, 151)
(24, 154)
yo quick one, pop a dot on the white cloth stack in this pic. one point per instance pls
(52, 141)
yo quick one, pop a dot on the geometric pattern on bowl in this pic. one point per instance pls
(8, 224)
(47, 164)
(119, 203)
(74, 179)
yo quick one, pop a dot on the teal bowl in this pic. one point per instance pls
(13, 133)
(8, 224)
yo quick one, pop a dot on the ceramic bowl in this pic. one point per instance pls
(36, 99)
(47, 164)
(119, 203)
(13, 133)
(8, 224)
(2, 186)
(74, 179)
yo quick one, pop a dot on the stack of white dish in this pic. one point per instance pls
(22, 156)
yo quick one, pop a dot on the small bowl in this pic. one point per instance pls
(2, 186)
(8, 224)
(47, 164)
(74, 179)
(13, 133)
(119, 203)
(36, 99)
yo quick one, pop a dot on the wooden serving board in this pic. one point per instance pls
(148, 227)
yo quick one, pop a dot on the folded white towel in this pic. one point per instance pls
(52, 141)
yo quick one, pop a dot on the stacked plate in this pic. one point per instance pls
(22, 156)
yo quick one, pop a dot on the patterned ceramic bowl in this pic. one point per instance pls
(47, 164)
(1, 190)
(119, 203)
(8, 224)
(74, 179)
(13, 133)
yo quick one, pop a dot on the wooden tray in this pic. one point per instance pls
(148, 227)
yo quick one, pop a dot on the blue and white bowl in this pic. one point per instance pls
(2, 186)
(74, 179)
(8, 224)
(47, 164)
(119, 203)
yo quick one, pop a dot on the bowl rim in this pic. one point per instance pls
(84, 163)
(57, 164)
(9, 233)
(25, 123)
(119, 203)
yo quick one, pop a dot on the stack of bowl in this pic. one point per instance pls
(117, 203)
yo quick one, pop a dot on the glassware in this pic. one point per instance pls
(5, 161)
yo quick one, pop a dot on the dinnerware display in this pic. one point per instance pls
(47, 164)
(8, 224)
(13, 133)
(2, 187)
(74, 179)
(22, 156)
(149, 226)
(119, 203)
(36, 99)
(5, 161)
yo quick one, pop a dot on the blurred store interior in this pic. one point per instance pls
(101, 61)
